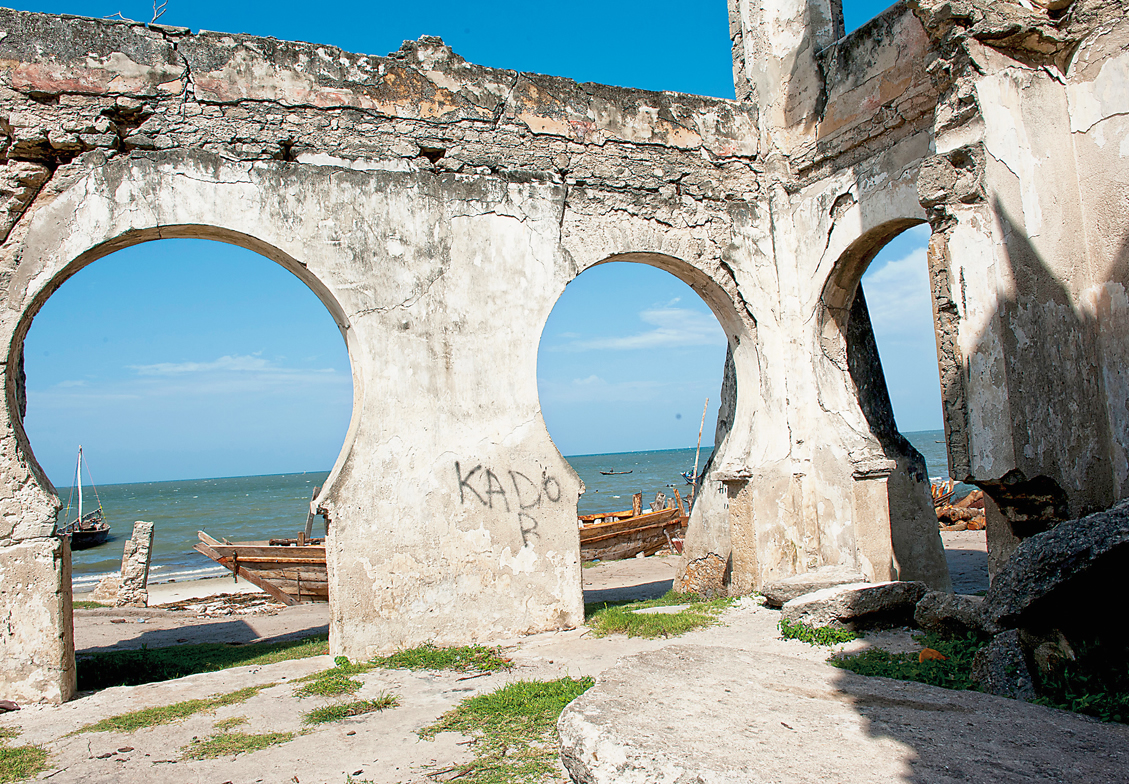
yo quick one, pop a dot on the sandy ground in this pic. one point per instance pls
(382, 747)
(967, 554)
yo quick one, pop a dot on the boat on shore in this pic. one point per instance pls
(611, 536)
(86, 530)
(293, 571)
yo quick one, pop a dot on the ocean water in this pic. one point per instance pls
(263, 507)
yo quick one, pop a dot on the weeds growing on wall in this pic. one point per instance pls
(514, 731)
(620, 617)
(815, 635)
(19, 762)
(167, 714)
(131, 668)
(954, 672)
(467, 658)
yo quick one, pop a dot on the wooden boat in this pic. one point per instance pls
(86, 530)
(615, 473)
(291, 570)
(610, 536)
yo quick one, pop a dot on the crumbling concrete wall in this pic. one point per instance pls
(1027, 195)
(439, 208)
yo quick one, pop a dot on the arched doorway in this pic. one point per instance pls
(202, 407)
(905, 322)
(627, 359)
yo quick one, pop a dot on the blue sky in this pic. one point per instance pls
(161, 376)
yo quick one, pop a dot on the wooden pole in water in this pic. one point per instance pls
(699, 450)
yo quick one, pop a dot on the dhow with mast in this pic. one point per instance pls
(86, 530)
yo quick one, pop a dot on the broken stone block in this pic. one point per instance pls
(856, 604)
(107, 589)
(781, 591)
(1053, 575)
(951, 614)
(134, 591)
(1000, 668)
(705, 577)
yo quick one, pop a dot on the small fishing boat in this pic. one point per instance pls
(615, 473)
(610, 536)
(86, 530)
(293, 571)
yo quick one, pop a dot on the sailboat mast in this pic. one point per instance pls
(78, 481)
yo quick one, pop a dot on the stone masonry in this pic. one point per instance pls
(438, 209)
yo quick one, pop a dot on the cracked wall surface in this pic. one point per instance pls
(438, 209)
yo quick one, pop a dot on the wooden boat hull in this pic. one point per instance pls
(625, 535)
(81, 540)
(291, 573)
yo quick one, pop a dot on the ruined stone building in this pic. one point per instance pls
(439, 208)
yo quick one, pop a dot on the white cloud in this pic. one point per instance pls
(225, 364)
(673, 328)
(898, 298)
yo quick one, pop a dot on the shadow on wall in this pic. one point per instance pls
(1058, 418)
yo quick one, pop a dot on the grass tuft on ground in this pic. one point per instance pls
(327, 683)
(467, 658)
(131, 668)
(230, 724)
(815, 635)
(233, 743)
(620, 617)
(346, 710)
(19, 762)
(83, 605)
(514, 729)
(952, 673)
(167, 714)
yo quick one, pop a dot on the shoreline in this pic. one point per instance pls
(202, 588)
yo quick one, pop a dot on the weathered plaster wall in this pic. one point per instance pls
(1028, 199)
(439, 208)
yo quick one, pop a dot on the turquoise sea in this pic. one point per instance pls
(262, 507)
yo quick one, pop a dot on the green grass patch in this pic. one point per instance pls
(1096, 683)
(327, 683)
(514, 729)
(131, 668)
(467, 658)
(345, 710)
(233, 743)
(953, 673)
(167, 714)
(815, 635)
(21, 762)
(9, 733)
(619, 617)
(230, 724)
(88, 605)
(590, 564)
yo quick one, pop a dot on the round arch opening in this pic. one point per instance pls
(268, 357)
(627, 358)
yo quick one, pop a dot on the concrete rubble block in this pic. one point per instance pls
(1053, 574)
(133, 590)
(36, 627)
(107, 590)
(778, 593)
(952, 614)
(754, 716)
(705, 577)
(856, 604)
(1000, 668)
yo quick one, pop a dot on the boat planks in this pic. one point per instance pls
(615, 535)
(291, 573)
